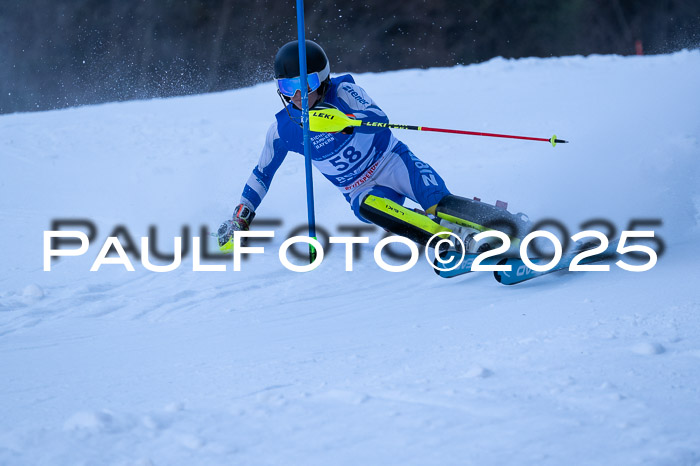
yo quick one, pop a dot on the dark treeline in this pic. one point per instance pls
(58, 53)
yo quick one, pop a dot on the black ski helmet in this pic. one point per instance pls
(287, 63)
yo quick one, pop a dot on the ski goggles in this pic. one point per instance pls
(289, 86)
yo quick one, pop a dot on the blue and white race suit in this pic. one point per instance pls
(368, 161)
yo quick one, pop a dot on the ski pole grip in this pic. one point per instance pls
(330, 120)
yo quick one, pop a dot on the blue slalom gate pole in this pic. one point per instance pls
(305, 123)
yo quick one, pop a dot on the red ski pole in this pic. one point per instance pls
(332, 120)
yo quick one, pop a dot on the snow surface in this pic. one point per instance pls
(267, 366)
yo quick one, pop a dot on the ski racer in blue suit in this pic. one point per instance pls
(368, 160)
(362, 162)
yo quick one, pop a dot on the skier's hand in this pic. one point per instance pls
(349, 129)
(242, 217)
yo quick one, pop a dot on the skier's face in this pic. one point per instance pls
(296, 99)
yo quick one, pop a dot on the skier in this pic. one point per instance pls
(373, 169)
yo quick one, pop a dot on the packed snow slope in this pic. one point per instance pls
(269, 366)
